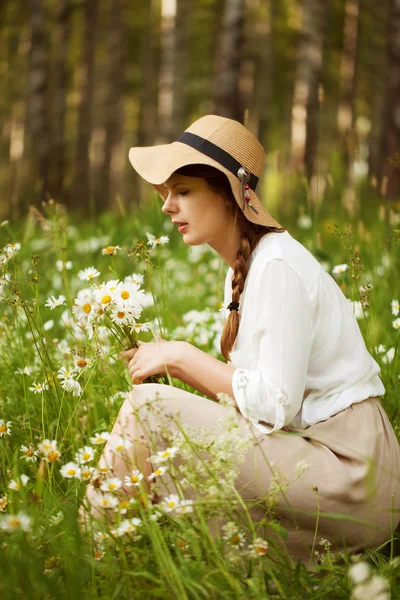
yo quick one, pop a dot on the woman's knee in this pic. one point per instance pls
(142, 396)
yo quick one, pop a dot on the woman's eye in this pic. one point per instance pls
(183, 193)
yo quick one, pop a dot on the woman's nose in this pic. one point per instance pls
(167, 207)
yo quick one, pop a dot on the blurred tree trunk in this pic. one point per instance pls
(166, 90)
(38, 79)
(181, 66)
(81, 189)
(348, 66)
(227, 98)
(391, 133)
(61, 34)
(305, 112)
(114, 160)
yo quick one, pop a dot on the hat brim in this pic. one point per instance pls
(156, 164)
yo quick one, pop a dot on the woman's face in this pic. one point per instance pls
(205, 212)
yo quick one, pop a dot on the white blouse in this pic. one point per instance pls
(299, 355)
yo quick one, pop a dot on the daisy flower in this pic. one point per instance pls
(82, 362)
(171, 502)
(185, 507)
(25, 371)
(29, 453)
(339, 269)
(110, 250)
(73, 386)
(15, 522)
(157, 472)
(258, 548)
(83, 309)
(70, 470)
(121, 315)
(153, 241)
(53, 302)
(100, 438)
(134, 278)
(37, 388)
(88, 274)
(3, 503)
(16, 485)
(86, 473)
(11, 249)
(389, 356)
(164, 455)
(84, 455)
(129, 526)
(139, 327)
(108, 501)
(119, 444)
(65, 373)
(396, 323)
(49, 450)
(5, 428)
(60, 265)
(304, 222)
(133, 479)
(112, 484)
(395, 307)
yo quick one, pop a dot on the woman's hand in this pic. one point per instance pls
(152, 358)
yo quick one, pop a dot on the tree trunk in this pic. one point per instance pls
(305, 113)
(391, 136)
(38, 80)
(59, 97)
(181, 66)
(167, 70)
(227, 98)
(81, 190)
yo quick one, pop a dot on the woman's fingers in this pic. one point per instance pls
(128, 354)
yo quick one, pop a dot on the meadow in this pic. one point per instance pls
(62, 384)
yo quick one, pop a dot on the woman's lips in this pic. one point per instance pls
(182, 227)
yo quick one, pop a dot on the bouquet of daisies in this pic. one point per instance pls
(116, 304)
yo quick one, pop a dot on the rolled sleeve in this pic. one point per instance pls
(272, 389)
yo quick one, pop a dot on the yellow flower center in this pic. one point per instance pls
(235, 540)
(86, 474)
(86, 456)
(52, 456)
(171, 504)
(98, 554)
(86, 308)
(3, 503)
(81, 363)
(3, 428)
(15, 522)
(134, 478)
(103, 469)
(165, 454)
(106, 299)
(120, 447)
(111, 486)
(90, 276)
(261, 550)
(121, 315)
(29, 452)
(99, 311)
(17, 486)
(125, 295)
(158, 472)
(71, 472)
(110, 249)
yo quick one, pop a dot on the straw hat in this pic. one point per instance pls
(216, 141)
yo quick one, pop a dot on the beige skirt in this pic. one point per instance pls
(349, 494)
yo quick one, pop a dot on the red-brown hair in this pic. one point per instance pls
(251, 233)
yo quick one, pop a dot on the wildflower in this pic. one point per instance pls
(16, 485)
(82, 362)
(258, 548)
(100, 438)
(25, 371)
(134, 478)
(139, 327)
(57, 519)
(301, 466)
(98, 554)
(304, 222)
(108, 501)
(110, 250)
(128, 526)
(29, 453)
(65, 373)
(381, 348)
(164, 455)
(157, 473)
(185, 507)
(37, 388)
(134, 278)
(48, 324)
(49, 450)
(84, 455)
(119, 444)
(375, 588)
(123, 507)
(112, 484)
(60, 265)
(3, 503)
(171, 502)
(15, 522)
(396, 323)
(395, 307)
(5, 428)
(153, 241)
(11, 249)
(71, 385)
(70, 470)
(53, 302)
(359, 572)
(339, 269)
(389, 356)
(88, 274)
(86, 473)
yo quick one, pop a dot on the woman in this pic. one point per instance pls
(304, 384)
